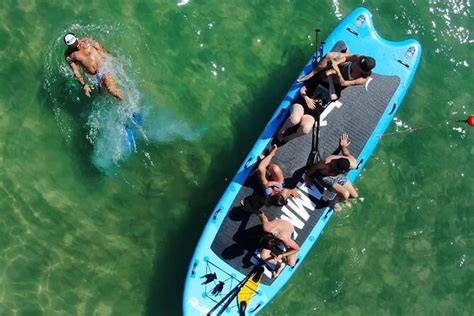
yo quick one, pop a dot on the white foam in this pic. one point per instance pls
(183, 2)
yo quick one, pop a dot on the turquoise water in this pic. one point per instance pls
(90, 229)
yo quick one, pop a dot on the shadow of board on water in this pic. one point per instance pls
(170, 267)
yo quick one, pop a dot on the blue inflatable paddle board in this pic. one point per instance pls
(223, 276)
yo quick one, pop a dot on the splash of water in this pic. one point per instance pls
(107, 122)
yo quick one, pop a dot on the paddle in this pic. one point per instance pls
(227, 299)
(315, 140)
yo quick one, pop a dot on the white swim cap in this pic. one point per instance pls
(70, 39)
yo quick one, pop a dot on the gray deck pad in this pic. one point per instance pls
(356, 113)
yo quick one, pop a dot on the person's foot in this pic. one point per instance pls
(337, 207)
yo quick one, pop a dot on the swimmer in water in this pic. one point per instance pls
(89, 55)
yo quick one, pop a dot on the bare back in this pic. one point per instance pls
(89, 54)
(280, 228)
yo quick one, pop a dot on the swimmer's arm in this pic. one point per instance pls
(77, 72)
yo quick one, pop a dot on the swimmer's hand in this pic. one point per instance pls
(87, 90)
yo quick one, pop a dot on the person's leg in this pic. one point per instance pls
(306, 126)
(109, 83)
(324, 62)
(296, 114)
(352, 191)
(266, 255)
(331, 77)
(342, 192)
(335, 204)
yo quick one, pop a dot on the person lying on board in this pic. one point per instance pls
(277, 231)
(89, 55)
(330, 171)
(345, 69)
(271, 178)
(338, 70)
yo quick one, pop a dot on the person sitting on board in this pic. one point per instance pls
(330, 171)
(337, 70)
(89, 55)
(277, 231)
(271, 178)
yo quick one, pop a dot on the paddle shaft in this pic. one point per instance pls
(315, 139)
(231, 295)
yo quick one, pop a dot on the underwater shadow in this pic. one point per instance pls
(167, 284)
(78, 112)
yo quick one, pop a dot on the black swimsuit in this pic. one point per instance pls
(316, 90)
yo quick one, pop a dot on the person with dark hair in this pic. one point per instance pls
(271, 178)
(89, 55)
(338, 71)
(349, 70)
(330, 171)
(277, 246)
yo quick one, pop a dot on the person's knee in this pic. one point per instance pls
(307, 125)
(345, 195)
(306, 128)
(295, 119)
(354, 194)
(291, 261)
